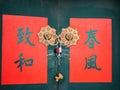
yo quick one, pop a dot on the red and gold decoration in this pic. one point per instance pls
(47, 35)
(90, 58)
(69, 36)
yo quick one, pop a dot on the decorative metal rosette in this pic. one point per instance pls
(47, 35)
(69, 36)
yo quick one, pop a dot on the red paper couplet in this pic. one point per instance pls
(24, 59)
(91, 58)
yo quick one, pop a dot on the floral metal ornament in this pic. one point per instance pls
(69, 36)
(47, 35)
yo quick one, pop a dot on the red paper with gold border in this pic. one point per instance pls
(103, 51)
(35, 74)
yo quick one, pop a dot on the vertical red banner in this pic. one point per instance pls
(91, 58)
(24, 59)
